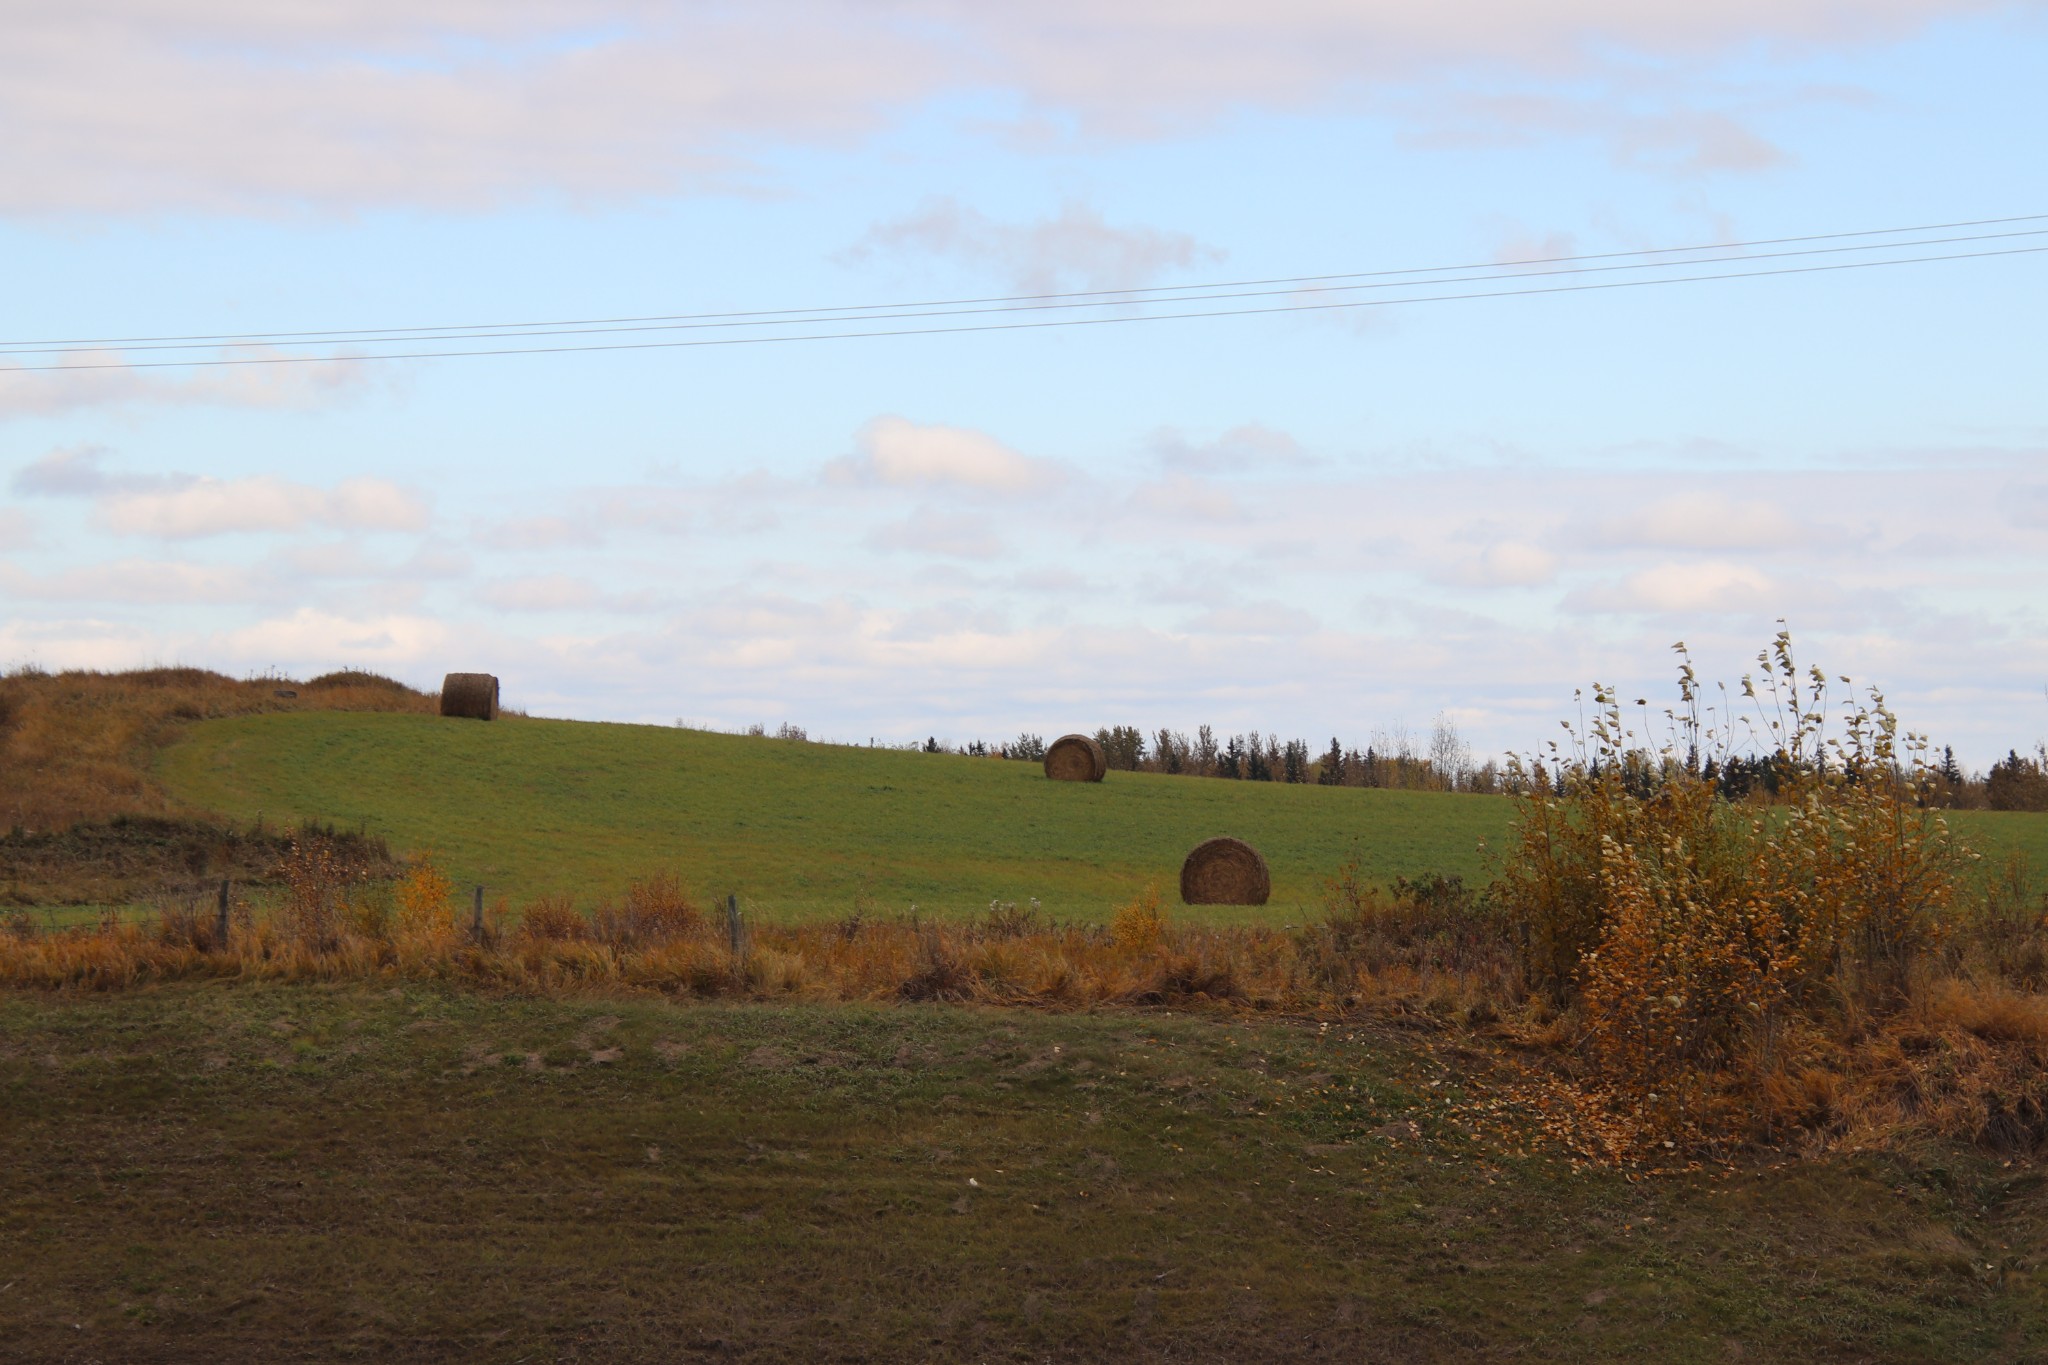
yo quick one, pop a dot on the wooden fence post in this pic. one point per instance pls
(220, 931)
(476, 918)
(735, 927)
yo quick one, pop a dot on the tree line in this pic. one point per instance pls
(1442, 762)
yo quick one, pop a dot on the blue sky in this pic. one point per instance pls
(1316, 522)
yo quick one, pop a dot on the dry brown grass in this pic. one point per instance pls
(77, 746)
(1955, 1056)
(326, 928)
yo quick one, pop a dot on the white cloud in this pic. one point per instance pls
(17, 531)
(1697, 520)
(932, 532)
(118, 106)
(900, 453)
(65, 472)
(312, 639)
(1251, 448)
(76, 642)
(539, 533)
(137, 581)
(1712, 587)
(1651, 129)
(544, 592)
(1076, 251)
(1260, 619)
(299, 386)
(209, 507)
(346, 559)
(1179, 497)
(2027, 504)
(1507, 564)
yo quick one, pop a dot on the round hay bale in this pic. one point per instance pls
(472, 696)
(1225, 871)
(1075, 758)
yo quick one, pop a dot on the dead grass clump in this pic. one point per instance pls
(1991, 1010)
(1199, 973)
(553, 919)
(189, 923)
(941, 973)
(355, 678)
(1076, 758)
(653, 910)
(1006, 920)
(1225, 871)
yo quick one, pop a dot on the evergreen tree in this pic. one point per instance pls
(1331, 772)
(1256, 768)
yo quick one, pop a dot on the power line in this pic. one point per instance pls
(915, 313)
(1165, 293)
(1034, 325)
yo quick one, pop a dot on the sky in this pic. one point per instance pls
(1318, 521)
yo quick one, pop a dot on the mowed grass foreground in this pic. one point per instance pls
(798, 829)
(237, 1171)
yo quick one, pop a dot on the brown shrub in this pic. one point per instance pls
(940, 973)
(553, 919)
(1710, 950)
(654, 910)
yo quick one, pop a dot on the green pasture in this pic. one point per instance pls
(796, 829)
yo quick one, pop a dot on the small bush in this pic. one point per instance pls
(654, 910)
(1709, 948)
(1137, 924)
(553, 919)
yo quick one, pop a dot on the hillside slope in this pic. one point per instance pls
(795, 828)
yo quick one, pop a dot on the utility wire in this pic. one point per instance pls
(1165, 293)
(917, 314)
(1025, 326)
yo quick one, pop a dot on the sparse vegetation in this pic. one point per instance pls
(1805, 972)
(403, 1171)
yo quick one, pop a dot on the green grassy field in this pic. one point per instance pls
(240, 1172)
(797, 829)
